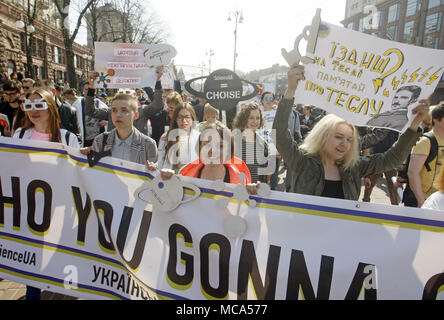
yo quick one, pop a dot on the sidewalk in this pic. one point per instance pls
(15, 291)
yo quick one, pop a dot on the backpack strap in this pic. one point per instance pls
(433, 149)
(67, 134)
(105, 139)
(22, 133)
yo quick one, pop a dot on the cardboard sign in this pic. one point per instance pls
(367, 80)
(222, 89)
(128, 65)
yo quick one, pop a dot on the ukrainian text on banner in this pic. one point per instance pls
(129, 65)
(80, 231)
(368, 80)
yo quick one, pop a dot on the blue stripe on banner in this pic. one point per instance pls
(93, 255)
(56, 280)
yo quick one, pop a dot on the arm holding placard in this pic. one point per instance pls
(156, 105)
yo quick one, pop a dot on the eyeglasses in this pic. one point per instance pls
(10, 93)
(269, 99)
(183, 118)
(37, 105)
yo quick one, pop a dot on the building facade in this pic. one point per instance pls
(45, 44)
(415, 22)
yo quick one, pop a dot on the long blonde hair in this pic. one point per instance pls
(315, 141)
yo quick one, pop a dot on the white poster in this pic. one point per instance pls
(129, 65)
(368, 80)
(81, 231)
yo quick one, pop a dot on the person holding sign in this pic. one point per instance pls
(328, 162)
(125, 141)
(144, 111)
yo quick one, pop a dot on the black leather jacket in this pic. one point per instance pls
(68, 117)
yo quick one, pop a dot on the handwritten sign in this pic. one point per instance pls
(368, 80)
(128, 65)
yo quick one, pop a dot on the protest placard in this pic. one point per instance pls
(128, 65)
(365, 79)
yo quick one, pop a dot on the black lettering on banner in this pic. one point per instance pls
(107, 210)
(358, 284)
(182, 281)
(298, 277)
(224, 248)
(248, 267)
(33, 187)
(122, 234)
(432, 287)
(14, 200)
(83, 213)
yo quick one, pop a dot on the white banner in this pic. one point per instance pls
(129, 65)
(368, 80)
(56, 211)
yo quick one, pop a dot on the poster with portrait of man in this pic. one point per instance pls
(368, 80)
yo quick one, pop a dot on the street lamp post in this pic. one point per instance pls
(27, 28)
(210, 53)
(238, 18)
(88, 59)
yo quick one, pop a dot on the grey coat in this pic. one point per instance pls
(143, 148)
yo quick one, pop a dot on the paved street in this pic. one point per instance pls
(14, 291)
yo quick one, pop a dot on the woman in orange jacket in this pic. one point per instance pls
(216, 159)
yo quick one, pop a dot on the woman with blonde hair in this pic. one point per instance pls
(328, 162)
(436, 200)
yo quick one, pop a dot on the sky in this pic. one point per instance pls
(197, 26)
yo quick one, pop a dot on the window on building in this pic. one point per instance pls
(393, 13)
(435, 3)
(431, 42)
(408, 30)
(392, 33)
(361, 25)
(412, 7)
(351, 26)
(10, 65)
(433, 23)
(57, 54)
(380, 18)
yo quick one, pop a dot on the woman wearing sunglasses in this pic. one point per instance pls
(42, 121)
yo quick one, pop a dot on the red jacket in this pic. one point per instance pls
(235, 167)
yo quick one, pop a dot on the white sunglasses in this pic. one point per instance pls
(37, 105)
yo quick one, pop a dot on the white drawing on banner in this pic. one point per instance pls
(166, 195)
(310, 34)
(235, 226)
